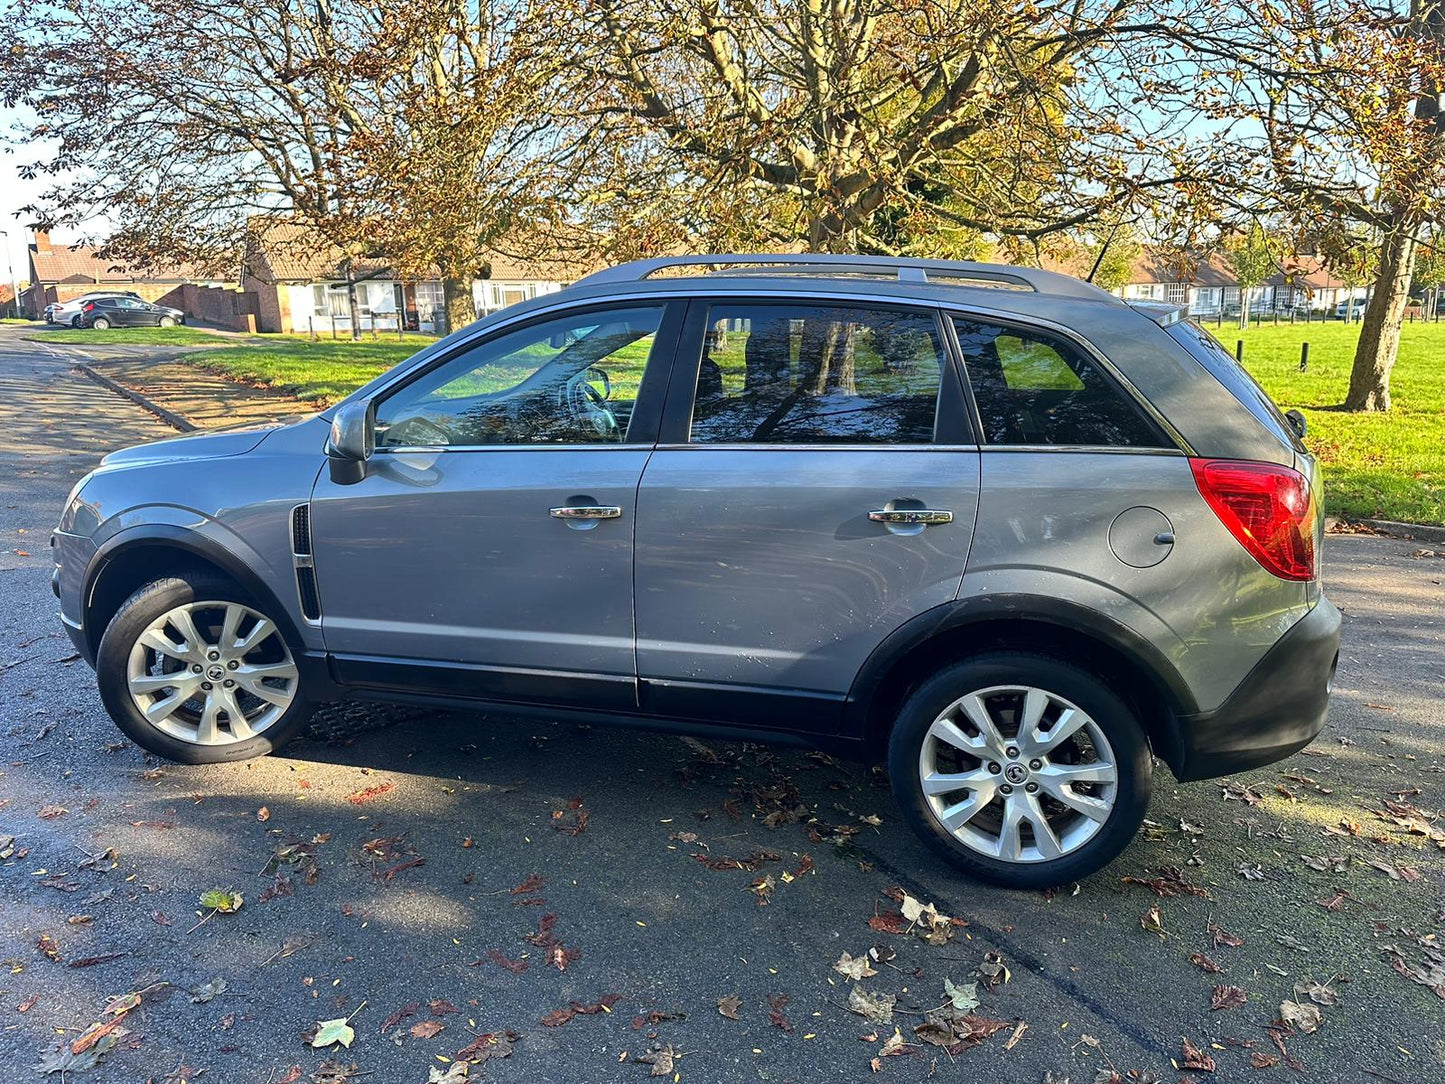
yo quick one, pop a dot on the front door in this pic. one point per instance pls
(815, 488)
(488, 550)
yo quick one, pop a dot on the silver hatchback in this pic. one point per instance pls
(989, 524)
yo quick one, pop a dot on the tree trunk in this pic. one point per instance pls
(1384, 315)
(351, 305)
(1244, 308)
(460, 311)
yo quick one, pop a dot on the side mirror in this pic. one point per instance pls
(1297, 423)
(353, 439)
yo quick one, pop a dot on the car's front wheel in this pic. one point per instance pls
(168, 321)
(75, 320)
(193, 670)
(1020, 769)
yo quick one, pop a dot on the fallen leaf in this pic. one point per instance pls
(728, 1006)
(361, 797)
(875, 1008)
(1301, 1017)
(854, 967)
(1192, 1057)
(778, 1003)
(207, 991)
(49, 946)
(1204, 963)
(963, 998)
(1227, 997)
(330, 1032)
(427, 1029)
(1169, 882)
(263, 814)
(660, 1058)
(221, 899)
(992, 972)
(400, 1015)
(1153, 921)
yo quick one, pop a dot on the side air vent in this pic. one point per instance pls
(306, 587)
(301, 556)
(301, 530)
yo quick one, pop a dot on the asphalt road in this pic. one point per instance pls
(358, 929)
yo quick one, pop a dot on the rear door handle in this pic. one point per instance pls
(587, 511)
(911, 517)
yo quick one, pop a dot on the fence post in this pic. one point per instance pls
(1239, 351)
(333, 325)
(1304, 357)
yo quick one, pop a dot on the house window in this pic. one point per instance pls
(1176, 293)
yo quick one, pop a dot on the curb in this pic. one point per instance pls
(1422, 531)
(170, 417)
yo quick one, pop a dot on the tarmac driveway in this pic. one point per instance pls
(554, 903)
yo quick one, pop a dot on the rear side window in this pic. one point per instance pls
(1208, 351)
(817, 374)
(1033, 388)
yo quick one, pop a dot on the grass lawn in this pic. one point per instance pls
(1377, 466)
(124, 336)
(322, 371)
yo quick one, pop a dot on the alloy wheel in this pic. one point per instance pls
(212, 673)
(1018, 774)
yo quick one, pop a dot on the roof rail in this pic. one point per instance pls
(907, 270)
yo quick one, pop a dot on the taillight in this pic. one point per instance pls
(1268, 508)
(89, 305)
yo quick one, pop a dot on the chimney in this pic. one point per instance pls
(42, 240)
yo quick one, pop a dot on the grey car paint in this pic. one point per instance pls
(1044, 519)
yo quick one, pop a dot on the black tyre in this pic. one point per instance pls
(100, 323)
(168, 321)
(1020, 769)
(195, 671)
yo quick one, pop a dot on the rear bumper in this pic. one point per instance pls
(1276, 711)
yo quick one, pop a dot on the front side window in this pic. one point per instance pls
(570, 380)
(1033, 388)
(817, 374)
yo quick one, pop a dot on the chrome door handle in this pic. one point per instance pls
(587, 511)
(911, 517)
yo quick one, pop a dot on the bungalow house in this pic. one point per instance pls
(1207, 284)
(62, 272)
(301, 284)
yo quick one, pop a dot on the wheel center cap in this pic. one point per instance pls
(216, 673)
(1016, 773)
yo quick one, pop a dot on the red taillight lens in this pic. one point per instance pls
(1268, 508)
(89, 305)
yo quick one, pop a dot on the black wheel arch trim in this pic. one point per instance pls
(1062, 613)
(184, 540)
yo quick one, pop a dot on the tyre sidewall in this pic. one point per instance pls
(113, 660)
(1130, 747)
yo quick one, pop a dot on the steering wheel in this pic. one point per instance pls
(588, 406)
(418, 430)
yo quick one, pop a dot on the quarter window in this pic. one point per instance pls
(1037, 389)
(572, 380)
(813, 374)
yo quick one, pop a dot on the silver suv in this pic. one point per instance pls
(991, 524)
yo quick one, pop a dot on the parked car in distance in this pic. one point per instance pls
(1351, 308)
(68, 312)
(108, 312)
(1006, 532)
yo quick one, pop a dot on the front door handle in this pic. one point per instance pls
(587, 511)
(911, 517)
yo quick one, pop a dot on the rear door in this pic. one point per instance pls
(815, 487)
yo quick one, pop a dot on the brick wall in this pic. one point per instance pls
(235, 310)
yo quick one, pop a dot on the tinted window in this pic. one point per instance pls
(1221, 364)
(572, 380)
(812, 374)
(1037, 389)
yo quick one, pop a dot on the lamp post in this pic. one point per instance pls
(10, 263)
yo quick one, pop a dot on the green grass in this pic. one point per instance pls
(320, 372)
(1377, 466)
(126, 336)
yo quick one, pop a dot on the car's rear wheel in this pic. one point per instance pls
(1020, 769)
(195, 671)
(100, 323)
(168, 321)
